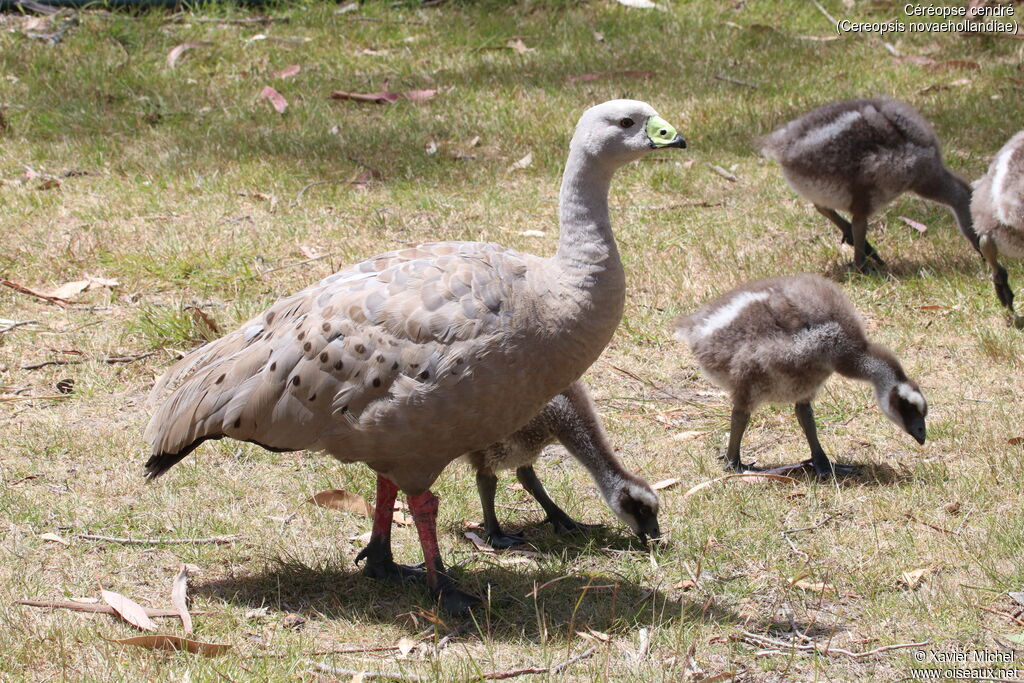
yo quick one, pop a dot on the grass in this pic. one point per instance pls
(193, 197)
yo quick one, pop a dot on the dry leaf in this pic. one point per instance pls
(203, 319)
(686, 436)
(522, 163)
(345, 9)
(952, 507)
(168, 642)
(915, 578)
(933, 307)
(69, 289)
(665, 483)
(519, 46)
(744, 475)
(1015, 441)
(179, 590)
(431, 147)
(53, 538)
(817, 587)
(309, 252)
(406, 645)
(685, 585)
(276, 98)
(293, 620)
(533, 233)
(591, 634)
(175, 54)
(129, 610)
(920, 227)
(384, 97)
(288, 71)
(401, 519)
(49, 184)
(641, 4)
(336, 499)
(481, 545)
(631, 73)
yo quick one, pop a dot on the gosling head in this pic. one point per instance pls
(635, 503)
(904, 404)
(624, 130)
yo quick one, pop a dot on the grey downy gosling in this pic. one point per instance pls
(569, 418)
(413, 358)
(998, 212)
(857, 156)
(778, 340)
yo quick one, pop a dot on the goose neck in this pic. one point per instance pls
(586, 242)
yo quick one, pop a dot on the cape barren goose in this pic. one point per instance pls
(778, 340)
(857, 156)
(415, 357)
(569, 418)
(998, 211)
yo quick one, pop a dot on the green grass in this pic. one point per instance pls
(193, 197)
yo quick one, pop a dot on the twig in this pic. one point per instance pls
(823, 648)
(96, 608)
(722, 172)
(811, 528)
(243, 20)
(931, 526)
(10, 399)
(649, 383)
(159, 541)
(386, 21)
(25, 290)
(16, 324)
(825, 12)
(512, 673)
(1019, 622)
(110, 360)
(736, 81)
(364, 675)
(298, 197)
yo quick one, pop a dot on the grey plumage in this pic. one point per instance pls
(998, 211)
(858, 155)
(569, 418)
(778, 341)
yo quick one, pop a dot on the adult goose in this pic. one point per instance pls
(778, 340)
(857, 156)
(412, 358)
(998, 211)
(570, 419)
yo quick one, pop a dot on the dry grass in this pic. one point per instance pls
(192, 198)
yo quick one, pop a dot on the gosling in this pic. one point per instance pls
(569, 418)
(857, 156)
(998, 212)
(777, 341)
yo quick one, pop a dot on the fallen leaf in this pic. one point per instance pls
(53, 538)
(336, 499)
(401, 519)
(592, 634)
(629, 73)
(69, 289)
(372, 53)
(641, 4)
(920, 227)
(598, 36)
(204, 319)
(406, 645)
(915, 578)
(952, 507)
(933, 307)
(293, 620)
(129, 610)
(178, 50)
(519, 46)
(179, 590)
(522, 163)
(49, 184)
(258, 613)
(431, 147)
(168, 642)
(1015, 441)
(665, 483)
(473, 142)
(757, 476)
(685, 585)
(349, 7)
(288, 71)
(65, 386)
(481, 545)
(533, 233)
(815, 586)
(276, 98)
(686, 436)
(384, 97)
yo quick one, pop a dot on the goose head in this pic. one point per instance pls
(905, 405)
(635, 503)
(620, 131)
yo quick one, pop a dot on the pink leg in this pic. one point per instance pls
(377, 553)
(424, 513)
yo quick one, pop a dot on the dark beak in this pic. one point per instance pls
(678, 142)
(916, 429)
(652, 533)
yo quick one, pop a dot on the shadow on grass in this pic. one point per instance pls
(521, 600)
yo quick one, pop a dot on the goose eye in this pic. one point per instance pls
(626, 123)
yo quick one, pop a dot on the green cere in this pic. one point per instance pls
(660, 131)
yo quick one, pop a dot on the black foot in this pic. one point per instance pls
(830, 469)
(501, 540)
(381, 567)
(1017, 321)
(456, 602)
(741, 468)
